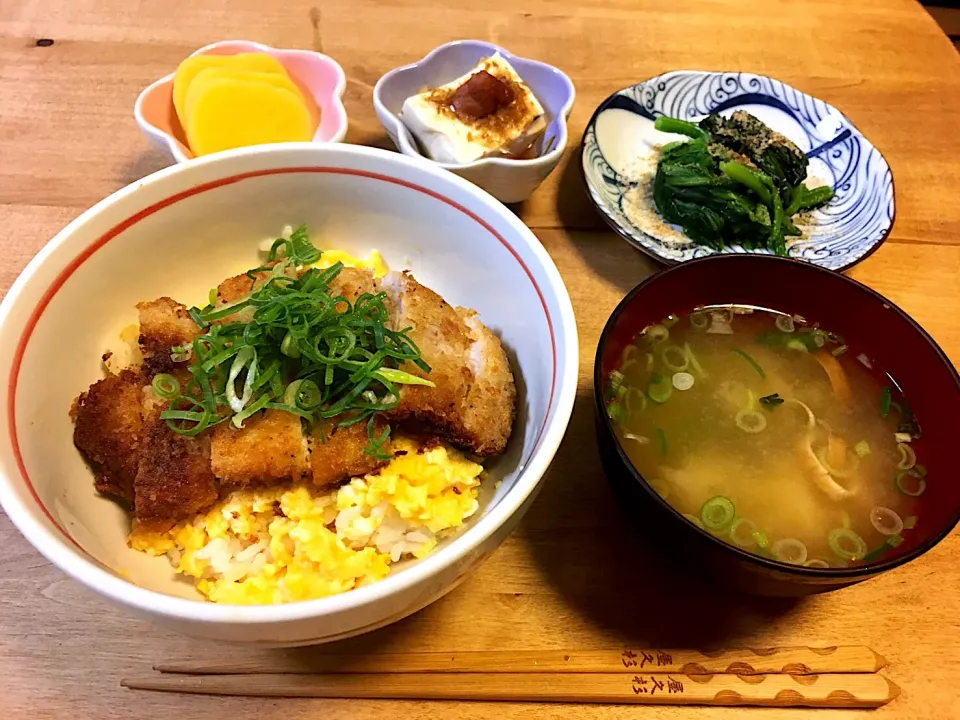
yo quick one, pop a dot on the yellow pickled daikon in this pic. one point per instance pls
(192, 66)
(227, 109)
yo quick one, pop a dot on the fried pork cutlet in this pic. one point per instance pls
(444, 345)
(174, 480)
(168, 477)
(351, 283)
(336, 454)
(164, 324)
(491, 402)
(108, 422)
(269, 448)
(473, 402)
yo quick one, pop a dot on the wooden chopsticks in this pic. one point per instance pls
(740, 661)
(840, 677)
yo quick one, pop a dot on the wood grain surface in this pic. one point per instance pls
(570, 577)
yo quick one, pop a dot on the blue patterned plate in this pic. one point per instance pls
(620, 148)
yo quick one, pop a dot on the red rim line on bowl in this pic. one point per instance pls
(124, 225)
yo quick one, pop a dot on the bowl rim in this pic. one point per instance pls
(173, 146)
(850, 573)
(65, 554)
(618, 228)
(409, 147)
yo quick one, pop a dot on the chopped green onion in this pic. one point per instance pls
(288, 347)
(650, 362)
(895, 540)
(700, 320)
(679, 360)
(662, 437)
(816, 563)
(909, 522)
(743, 533)
(846, 544)
(639, 439)
(837, 352)
(717, 513)
(632, 396)
(253, 408)
(862, 448)
(670, 320)
(615, 411)
(694, 364)
(797, 345)
(750, 421)
(659, 389)
(902, 483)
(695, 520)
(789, 550)
(683, 381)
(902, 437)
(753, 363)
(785, 323)
(339, 356)
(656, 334)
(165, 386)
(245, 360)
(614, 383)
(885, 521)
(908, 458)
(401, 378)
(771, 401)
(885, 397)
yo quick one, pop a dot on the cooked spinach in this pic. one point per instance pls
(734, 181)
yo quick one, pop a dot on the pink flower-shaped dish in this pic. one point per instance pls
(316, 74)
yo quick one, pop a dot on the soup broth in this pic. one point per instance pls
(770, 433)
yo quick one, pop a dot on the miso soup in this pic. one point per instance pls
(770, 433)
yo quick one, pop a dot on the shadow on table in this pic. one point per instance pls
(614, 578)
(143, 164)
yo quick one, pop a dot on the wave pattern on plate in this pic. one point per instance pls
(839, 235)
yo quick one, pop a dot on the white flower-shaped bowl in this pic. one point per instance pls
(506, 179)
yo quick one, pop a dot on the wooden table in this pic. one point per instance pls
(570, 577)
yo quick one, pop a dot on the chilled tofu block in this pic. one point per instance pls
(488, 112)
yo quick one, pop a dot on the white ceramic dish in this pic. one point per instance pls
(178, 232)
(507, 180)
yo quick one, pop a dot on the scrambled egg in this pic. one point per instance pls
(284, 544)
(374, 261)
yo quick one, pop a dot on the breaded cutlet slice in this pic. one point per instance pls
(108, 422)
(164, 324)
(351, 283)
(491, 402)
(269, 448)
(336, 454)
(174, 480)
(235, 289)
(444, 343)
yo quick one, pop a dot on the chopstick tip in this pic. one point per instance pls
(894, 688)
(881, 661)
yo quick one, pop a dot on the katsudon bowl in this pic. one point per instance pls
(181, 231)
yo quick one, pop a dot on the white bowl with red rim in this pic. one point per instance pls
(177, 233)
